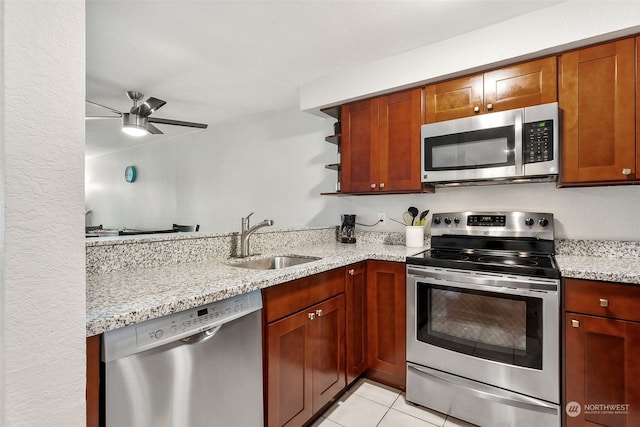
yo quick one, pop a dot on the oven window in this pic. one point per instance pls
(471, 150)
(500, 327)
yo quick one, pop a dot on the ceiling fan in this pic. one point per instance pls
(137, 122)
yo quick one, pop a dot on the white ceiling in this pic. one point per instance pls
(217, 61)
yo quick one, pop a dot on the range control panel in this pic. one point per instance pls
(503, 224)
(538, 141)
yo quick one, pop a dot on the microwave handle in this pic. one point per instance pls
(519, 142)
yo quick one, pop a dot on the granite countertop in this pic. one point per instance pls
(133, 280)
(608, 269)
(120, 298)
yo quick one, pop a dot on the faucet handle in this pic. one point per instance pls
(247, 217)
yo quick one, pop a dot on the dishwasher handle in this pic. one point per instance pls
(201, 336)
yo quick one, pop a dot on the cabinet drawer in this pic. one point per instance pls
(282, 300)
(602, 299)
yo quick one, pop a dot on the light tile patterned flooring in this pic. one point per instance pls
(370, 404)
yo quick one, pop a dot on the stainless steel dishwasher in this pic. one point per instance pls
(197, 368)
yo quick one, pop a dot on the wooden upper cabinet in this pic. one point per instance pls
(381, 143)
(516, 86)
(360, 150)
(454, 99)
(597, 98)
(400, 120)
(521, 85)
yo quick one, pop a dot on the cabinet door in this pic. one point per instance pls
(521, 85)
(602, 369)
(289, 374)
(93, 381)
(360, 150)
(356, 297)
(453, 99)
(386, 308)
(597, 92)
(400, 120)
(328, 350)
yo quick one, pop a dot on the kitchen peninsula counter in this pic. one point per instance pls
(127, 296)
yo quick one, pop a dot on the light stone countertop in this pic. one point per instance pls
(136, 279)
(125, 297)
(608, 269)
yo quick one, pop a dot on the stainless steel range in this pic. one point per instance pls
(483, 327)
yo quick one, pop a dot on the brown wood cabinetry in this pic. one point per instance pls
(304, 346)
(597, 98)
(601, 345)
(386, 314)
(381, 144)
(93, 381)
(356, 298)
(515, 86)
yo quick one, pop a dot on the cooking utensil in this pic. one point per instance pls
(421, 218)
(413, 211)
(395, 220)
(407, 218)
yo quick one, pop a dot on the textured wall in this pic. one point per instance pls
(43, 274)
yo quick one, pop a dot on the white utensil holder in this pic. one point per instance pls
(414, 236)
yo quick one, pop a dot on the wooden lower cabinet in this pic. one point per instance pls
(386, 322)
(93, 381)
(356, 298)
(304, 351)
(323, 332)
(601, 355)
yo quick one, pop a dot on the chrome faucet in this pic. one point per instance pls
(248, 231)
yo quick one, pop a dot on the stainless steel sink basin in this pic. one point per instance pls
(275, 262)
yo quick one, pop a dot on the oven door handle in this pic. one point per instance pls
(485, 391)
(475, 278)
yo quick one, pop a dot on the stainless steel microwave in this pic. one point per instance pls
(506, 146)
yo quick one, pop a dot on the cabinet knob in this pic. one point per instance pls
(312, 316)
(604, 302)
(382, 185)
(476, 109)
(373, 186)
(575, 323)
(626, 171)
(489, 107)
(351, 272)
(318, 312)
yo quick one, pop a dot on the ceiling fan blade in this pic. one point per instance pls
(148, 107)
(104, 106)
(177, 123)
(154, 130)
(154, 103)
(100, 117)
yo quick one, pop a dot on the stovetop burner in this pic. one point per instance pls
(507, 260)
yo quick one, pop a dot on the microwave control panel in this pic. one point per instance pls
(538, 141)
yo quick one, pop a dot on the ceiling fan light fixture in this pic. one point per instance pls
(134, 125)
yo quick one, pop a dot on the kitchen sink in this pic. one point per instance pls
(275, 262)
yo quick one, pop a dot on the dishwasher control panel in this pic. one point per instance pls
(173, 327)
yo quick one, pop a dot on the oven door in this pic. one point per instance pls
(473, 148)
(497, 329)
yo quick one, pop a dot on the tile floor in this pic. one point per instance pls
(370, 404)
